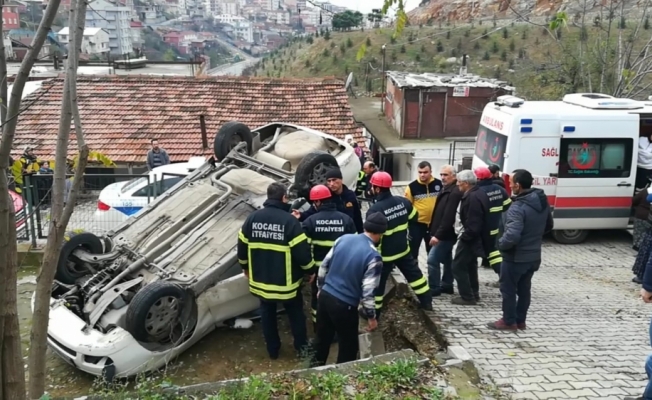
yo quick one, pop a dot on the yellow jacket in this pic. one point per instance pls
(423, 196)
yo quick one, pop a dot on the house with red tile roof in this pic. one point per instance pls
(122, 113)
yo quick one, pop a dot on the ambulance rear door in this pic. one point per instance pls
(596, 173)
(539, 154)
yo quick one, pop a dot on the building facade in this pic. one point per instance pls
(10, 17)
(114, 19)
(95, 41)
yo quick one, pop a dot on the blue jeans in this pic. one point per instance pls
(441, 253)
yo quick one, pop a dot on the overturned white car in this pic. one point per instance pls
(132, 300)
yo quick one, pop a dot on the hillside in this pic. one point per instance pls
(541, 64)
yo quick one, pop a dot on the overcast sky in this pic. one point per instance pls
(365, 6)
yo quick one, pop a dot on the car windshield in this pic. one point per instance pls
(134, 183)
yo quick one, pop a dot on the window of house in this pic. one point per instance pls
(595, 158)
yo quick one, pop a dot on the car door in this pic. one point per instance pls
(595, 183)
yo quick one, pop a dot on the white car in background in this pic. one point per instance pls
(119, 201)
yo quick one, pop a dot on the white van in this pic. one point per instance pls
(582, 152)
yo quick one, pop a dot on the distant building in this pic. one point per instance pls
(95, 41)
(10, 17)
(243, 30)
(136, 38)
(115, 19)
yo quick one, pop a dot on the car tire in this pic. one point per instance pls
(574, 236)
(229, 135)
(312, 170)
(73, 241)
(147, 319)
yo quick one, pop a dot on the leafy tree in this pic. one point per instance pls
(169, 55)
(512, 45)
(476, 45)
(332, 45)
(394, 56)
(326, 53)
(495, 48)
(646, 23)
(467, 33)
(448, 34)
(459, 44)
(307, 63)
(622, 24)
(346, 20)
(536, 41)
(423, 48)
(486, 56)
(505, 33)
(521, 53)
(392, 40)
(503, 56)
(327, 35)
(402, 49)
(349, 43)
(342, 50)
(368, 42)
(417, 58)
(440, 46)
(485, 34)
(511, 64)
(524, 34)
(498, 73)
(453, 52)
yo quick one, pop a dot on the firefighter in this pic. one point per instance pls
(361, 185)
(499, 202)
(275, 255)
(394, 246)
(323, 229)
(27, 164)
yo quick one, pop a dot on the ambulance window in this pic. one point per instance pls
(490, 146)
(595, 158)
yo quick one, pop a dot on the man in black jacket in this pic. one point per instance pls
(344, 198)
(495, 176)
(442, 232)
(473, 240)
(528, 219)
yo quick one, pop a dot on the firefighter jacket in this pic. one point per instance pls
(499, 202)
(274, 250)
(324, 228)
(423, 196)
(400, 213)
(345, 202)
(24, 165)
(361, 185)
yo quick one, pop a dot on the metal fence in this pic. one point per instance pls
(104, 201)
(460, 153)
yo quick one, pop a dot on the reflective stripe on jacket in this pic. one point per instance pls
(423, 197)
(324, 228)
(400, 213)
(273, 248)
(499, 202)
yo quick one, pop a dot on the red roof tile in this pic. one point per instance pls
(120, 114)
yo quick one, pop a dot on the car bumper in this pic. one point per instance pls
(92, 351)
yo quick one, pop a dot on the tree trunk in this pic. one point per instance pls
(59, 216)
(12, 355)
(11, 362)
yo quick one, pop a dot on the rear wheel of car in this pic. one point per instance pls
(312, 171)
(69, 267)
(229, 136)
(570, 236)
(159, 312)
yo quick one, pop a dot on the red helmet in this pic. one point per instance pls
(381, 179)
(320, 192)
(482, 173)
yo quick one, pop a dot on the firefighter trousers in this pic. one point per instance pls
(410, 270)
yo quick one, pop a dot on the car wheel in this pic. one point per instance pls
(69, 267)
(156, 312)
(229, 136)
(312, 171)
(570, 236)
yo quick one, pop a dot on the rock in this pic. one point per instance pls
(453, 362)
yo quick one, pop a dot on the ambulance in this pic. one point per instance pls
(582, 151)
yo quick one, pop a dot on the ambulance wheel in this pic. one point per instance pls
(570, 236)
(230, 135)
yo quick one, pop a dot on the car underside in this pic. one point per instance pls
(132, 300)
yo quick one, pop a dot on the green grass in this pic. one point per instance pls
(527, 56)
(403, 379)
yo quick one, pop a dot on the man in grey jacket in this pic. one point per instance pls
(528, 219)
(157, 156)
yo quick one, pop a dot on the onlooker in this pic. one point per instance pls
(528, 219)
(495, 175)
(645, 246)
(369, 169)
(474, 237)
(45, 168)
(44, 185)
(422, 193)
(348, 276)
(646, 294)
(156, 156)
(641, 214)
(442, 232)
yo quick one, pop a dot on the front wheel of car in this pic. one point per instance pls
(69, 267)
(160, 313)
(312, 171)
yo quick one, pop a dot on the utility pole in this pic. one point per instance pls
(382, 97)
